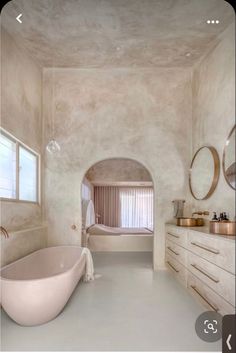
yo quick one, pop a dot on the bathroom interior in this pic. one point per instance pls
(117, 173)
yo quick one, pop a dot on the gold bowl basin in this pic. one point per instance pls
(190, 222)
(225, 228)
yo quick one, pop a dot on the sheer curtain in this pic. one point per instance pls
(87, 190)
(130, 207)
(136, 207)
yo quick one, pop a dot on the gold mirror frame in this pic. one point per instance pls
(216, 160)
(223, 158)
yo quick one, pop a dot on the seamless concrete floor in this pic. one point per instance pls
(128, 308)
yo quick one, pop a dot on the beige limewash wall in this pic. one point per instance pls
(114, 170)
(214, 112)
(141, 114)
(21, 116)
(100, 114)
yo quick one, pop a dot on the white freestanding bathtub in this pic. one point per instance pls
(35, 289)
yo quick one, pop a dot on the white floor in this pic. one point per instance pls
(128, 308)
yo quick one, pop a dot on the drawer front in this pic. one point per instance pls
(221, 281)
(208, 297)
(217, 251)
(177, 235)
(177, 252)
(178, 270)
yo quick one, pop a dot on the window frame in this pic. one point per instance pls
(38, 170)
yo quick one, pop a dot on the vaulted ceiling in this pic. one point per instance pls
(116, 33)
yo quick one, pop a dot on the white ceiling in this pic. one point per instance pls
(116, 33)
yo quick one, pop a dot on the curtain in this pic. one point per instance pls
(136, 209)
(87, 190)
(130, 207)
(107, 205)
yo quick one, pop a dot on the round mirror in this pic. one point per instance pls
(229, 167)
(204, 172)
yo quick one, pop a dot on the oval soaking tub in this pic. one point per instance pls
(35, 289)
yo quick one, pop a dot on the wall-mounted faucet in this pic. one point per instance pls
(201, 213)
(4, 232)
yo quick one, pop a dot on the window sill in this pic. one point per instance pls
(20, 201)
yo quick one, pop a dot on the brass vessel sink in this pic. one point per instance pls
(225, 227)
(190, 222)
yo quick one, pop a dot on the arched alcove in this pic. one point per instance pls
(130, 182)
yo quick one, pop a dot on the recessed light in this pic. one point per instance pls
(217, 21)
(213, 21)
(208, 21)
(188, 54)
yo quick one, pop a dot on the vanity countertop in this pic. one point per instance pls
(205, 230)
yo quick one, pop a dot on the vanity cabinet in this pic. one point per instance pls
(218, 250)
(205, 264)
(179, 271)
(177, 235)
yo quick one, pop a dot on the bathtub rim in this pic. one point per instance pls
(3, 279)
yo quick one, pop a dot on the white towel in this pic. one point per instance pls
(89, 269)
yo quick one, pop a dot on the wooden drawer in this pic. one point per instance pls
(178, 270)
(177, 252)
(221, 281)
(177, 235)
(215, 250)
(208, 297)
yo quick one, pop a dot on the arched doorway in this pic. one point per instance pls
(122, 193)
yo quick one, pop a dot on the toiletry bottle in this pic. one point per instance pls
(214, 217)
(225, 218)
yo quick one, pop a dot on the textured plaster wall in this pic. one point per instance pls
(21, 116)
(22, 243)
(144, 115)
(113, 170)
(214, 112)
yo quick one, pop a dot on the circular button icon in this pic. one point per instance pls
(208, 326)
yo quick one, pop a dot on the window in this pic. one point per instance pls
(18, 170)
(27, 175)
(128, 207)
(86, 192)
(7, 168)
(136, 207)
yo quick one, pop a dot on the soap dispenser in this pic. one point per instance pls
(214, 217)
(225, 218)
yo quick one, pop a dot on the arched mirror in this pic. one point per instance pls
(228, 163)
(204, 172)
